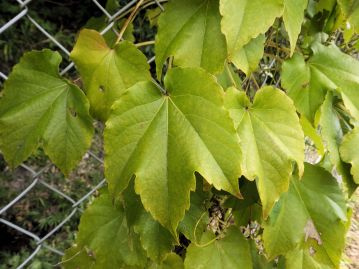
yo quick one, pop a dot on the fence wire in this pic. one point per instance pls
(45, 241)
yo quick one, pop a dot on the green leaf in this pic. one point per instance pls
(196, 218)
(229, 77)
(39, 107)
(350, 9)
(104, 234)
(238, 25)
(152, 16)
(230, 252)
(191, 26)
(349, 152)
(273, 140)
(259, 260)
(313, 134)
(248, 209)
(100, 23)
(303, 259)
(172, 261)
(293, 17)
(155, 239)
(107, 72)
(327, 69)
(247, 58)
(308, 214)
(302, 83)
(339, 71)
(76, 256)
(164, 139)
(332, 135)
(327, 5)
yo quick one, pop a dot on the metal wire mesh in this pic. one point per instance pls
(44, 241)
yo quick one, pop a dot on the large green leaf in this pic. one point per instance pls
(155, 239)
(248, 57)
(246, 19)
(311, 214)
(104, 234)
(327, 69)
(107, 72)
(293, 17)
(350, 9)
(164, 139)
(303, 85)
(38, 106)
(232, 251)
(349, 152)
(332, 135)
(190, 31)
(273, 139)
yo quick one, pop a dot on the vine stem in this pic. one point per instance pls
(163, 91)
(230, 75)
(129, 19)
(145, 43)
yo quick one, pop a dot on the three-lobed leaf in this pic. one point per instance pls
(273, 140)
(155, 239)
(237, 22)
(40, 107)
(164, 139)
(191, 26)
(306, 217)
(332, 135)
(328, 69)
(104, 239)
(107, 72)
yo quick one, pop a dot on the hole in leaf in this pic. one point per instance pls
(73, 112)
(101, 88)
(311, 232)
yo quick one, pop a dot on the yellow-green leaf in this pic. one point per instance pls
(164, 139)
(190, 31)
(327, 69)
(38, 107)
(272, 139)
(248, 57)
(332, 135)
(104, 239)
(107, 72)
(293, 17)
(349, 152)
(238, 23)
(312, 216)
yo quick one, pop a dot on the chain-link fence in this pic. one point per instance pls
(36, 177)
